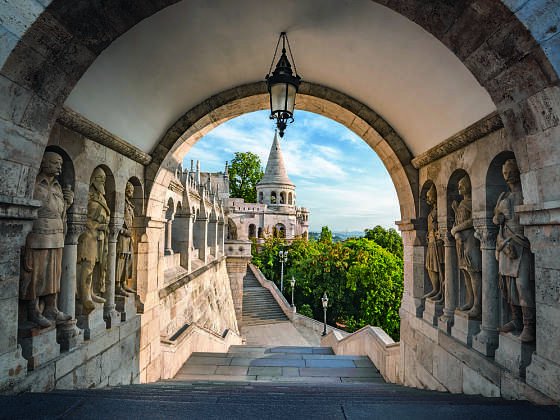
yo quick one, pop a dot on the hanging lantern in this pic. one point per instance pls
(282, 86)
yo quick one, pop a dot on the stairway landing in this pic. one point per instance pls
(278, 364)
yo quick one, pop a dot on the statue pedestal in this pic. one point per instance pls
(432, 312)
(126, 307)
(465, 327)
(486, 342)
(93, 323)
(445, 322)
(68, 335)
(38, 345)
(514, 355)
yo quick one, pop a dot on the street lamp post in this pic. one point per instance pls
(283, 258)
(293, 282)
(325, 301)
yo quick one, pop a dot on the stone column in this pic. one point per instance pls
(414, 235)
(168, 233)
(75, 226)
(201, 237)
(486, 341)
(110, 314)
(238, 255)
(184, 225)
(445, 322)
(221, 236)
(213, 237)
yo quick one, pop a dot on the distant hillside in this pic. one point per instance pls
(339, 236)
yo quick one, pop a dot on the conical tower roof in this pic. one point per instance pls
(275, 172)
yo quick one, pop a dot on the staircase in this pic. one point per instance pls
(259, 306)
(279, 364)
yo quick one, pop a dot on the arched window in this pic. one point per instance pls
(282, 197)
(261, 232)
(252, 230)
(280, 230)
(273, 197)
(261, 197)
(289, 198)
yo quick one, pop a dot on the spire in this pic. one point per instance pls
(275, 172)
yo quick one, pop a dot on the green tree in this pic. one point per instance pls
(388, 239)
(245, 172)
(326, 235)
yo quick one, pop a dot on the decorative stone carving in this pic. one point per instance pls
(92, 245)
(469, 257)
(435, 255)
(42, 255)
(125, 252)
(515, 261)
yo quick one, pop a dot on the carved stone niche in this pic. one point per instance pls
(434, 257)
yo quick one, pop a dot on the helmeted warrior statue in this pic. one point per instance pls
(42, 255)
(468, 250)
(125, 246)
(92, 245)
(515, 261)
(434, 255)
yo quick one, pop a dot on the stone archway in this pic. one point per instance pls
(366, 123)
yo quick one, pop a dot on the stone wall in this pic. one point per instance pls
(441, 347)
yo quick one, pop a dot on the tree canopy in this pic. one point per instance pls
(386, 238)
(362, 279)
(245, 172)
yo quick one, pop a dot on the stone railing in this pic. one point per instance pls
(372, 342)
(178, 347)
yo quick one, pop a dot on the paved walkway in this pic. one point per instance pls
(278, 364)
(279, 334)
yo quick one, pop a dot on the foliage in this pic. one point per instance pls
(363, 281)
(386, 238)
(245, 172)
(305, 310)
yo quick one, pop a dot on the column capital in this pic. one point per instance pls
(115, 227)
(487, 236)
(76, 225)
(447, 237)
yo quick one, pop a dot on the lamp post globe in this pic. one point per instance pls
(325, 302)
(293, 283)
(282, 86)
(283, 258)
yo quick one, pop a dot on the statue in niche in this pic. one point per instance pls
(468, 250)
(42, 255)
(124, 246)
(435, 255)
(92, 245)
(515, 261)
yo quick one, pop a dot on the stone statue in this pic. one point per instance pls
(42, 255)
(124, 246)
(92, 245)
(515, 261)
(468, 250)
(435, 255)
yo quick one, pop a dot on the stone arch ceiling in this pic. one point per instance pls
(168, 63)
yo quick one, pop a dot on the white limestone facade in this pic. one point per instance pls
(275, 213)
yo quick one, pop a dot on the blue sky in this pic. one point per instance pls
(337, 175)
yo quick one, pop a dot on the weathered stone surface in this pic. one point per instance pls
(93, 324)
(38, 346)
(514, 355)
(474, 383)
(464, 328)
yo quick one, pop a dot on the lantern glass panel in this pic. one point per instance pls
(291, 99)
(278, 97)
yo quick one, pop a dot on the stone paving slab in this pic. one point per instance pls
(300, 350)
(279, 362)
(208, 354)
(301, 379)
(220, 361)
(232, 370)
(216, 379)
(264, 371)
(333, 356)
(378, 380)
(366, 362)
(290, 371)
(341, 372)
(330, 363)
(198, 370)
